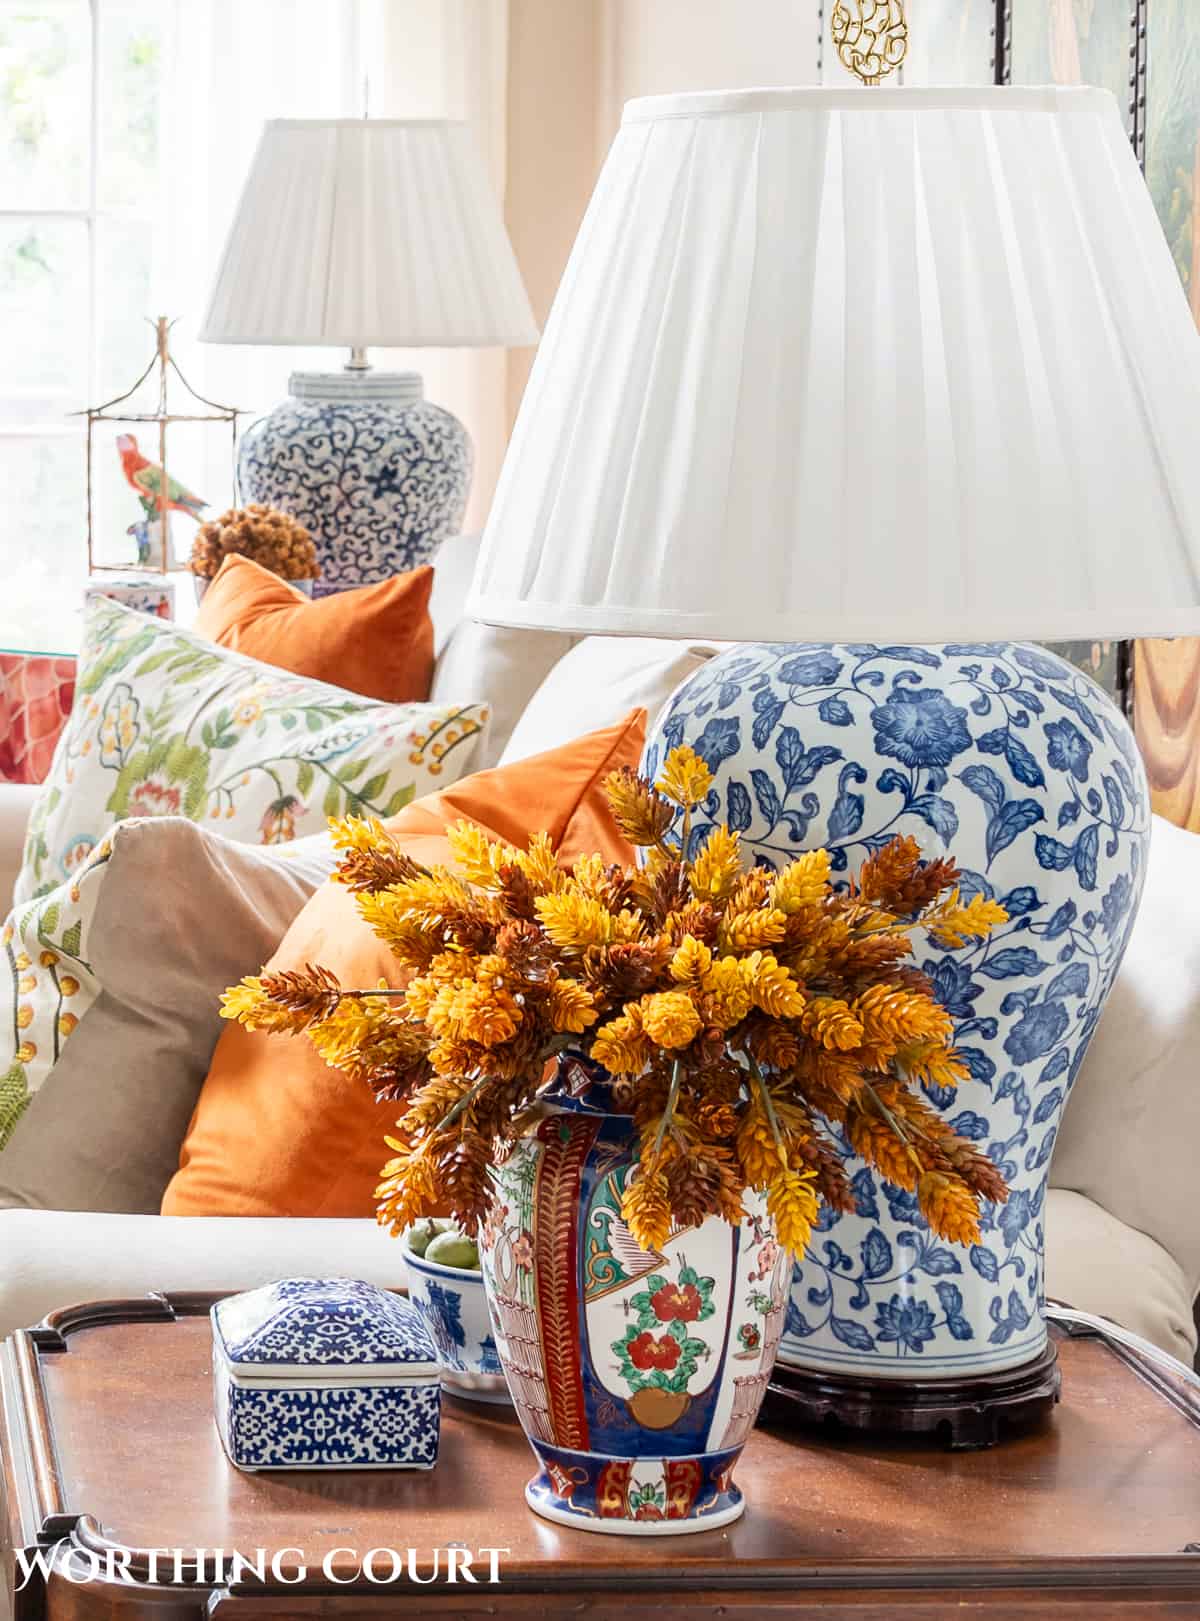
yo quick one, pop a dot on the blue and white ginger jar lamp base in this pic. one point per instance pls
(1012, 761)
(377, 473)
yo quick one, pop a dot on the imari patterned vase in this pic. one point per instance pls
(1013, 762)
(637, 1375)
(374, 471)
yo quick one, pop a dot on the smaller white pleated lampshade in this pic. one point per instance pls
(379, 231)
(860, 364)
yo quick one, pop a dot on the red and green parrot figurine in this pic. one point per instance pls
(146, 477)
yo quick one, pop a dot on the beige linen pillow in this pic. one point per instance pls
(1130, 1138)
(600, 679)
(114, 987)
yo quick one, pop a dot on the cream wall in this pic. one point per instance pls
(553, 90)
(651, 47)
(542, 83)
(572, 66)
(449, 59)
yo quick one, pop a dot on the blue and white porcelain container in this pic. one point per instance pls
(374, 471)
(454, 1305)
(325, 1373)
(148, 594)
(1012, 761)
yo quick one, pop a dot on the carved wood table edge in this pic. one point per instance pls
(601, 1577)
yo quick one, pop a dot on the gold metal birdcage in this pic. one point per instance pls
(154, 550)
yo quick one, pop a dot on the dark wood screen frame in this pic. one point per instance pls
(1002, 53)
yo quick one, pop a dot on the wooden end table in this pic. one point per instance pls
(109, 1449)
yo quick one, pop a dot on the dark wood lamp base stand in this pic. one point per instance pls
(964, 1414)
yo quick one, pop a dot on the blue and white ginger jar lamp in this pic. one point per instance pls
(885, 383)
(357, 232)
(1012, 761)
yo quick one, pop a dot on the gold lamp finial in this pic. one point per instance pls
(873, 39)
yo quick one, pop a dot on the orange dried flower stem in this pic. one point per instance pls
(764, 1093)
(886, 1114)
(453, 1113)
(669, 1109)
(376, 990)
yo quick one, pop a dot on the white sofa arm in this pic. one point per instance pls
(16, 802)
(54, 1258)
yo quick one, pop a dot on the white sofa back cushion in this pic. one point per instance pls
(509, 665)
(601, 679)
(453, 567)
(53, 1258)
(1130, 1138)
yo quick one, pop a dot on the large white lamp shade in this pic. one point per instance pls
(368, 231)
(861, 363)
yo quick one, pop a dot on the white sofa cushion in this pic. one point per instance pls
(1130, 1138)
(1098, 1264)
(508, 665)
(598, 681)
(453, 568)
(53, 1258)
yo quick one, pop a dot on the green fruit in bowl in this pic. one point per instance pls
(422, 1233)
(453, 1248)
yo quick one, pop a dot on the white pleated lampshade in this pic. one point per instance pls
(380, 231)
(860, 364)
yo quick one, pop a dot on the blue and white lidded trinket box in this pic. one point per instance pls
(325, 1373)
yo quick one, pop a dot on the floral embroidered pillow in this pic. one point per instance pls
(167, 724)
(52, 983)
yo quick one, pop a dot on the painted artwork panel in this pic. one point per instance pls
(1100, 660)
(950, 42)
(1076, 42)
(1079, 42)
(1173, 132)
(1167, 673)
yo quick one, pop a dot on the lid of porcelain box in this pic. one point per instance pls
(304, 1327)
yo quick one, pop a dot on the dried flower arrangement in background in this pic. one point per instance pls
(749, 1019)
(268, 537)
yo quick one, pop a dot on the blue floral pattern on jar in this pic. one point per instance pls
(1012, 761)
(379, 486)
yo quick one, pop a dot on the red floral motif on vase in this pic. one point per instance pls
(647, 1352)
(677, 1302)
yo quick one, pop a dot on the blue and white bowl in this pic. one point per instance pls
(452, 1302)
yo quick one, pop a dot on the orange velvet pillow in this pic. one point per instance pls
(376, 640)
(275, 1131)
